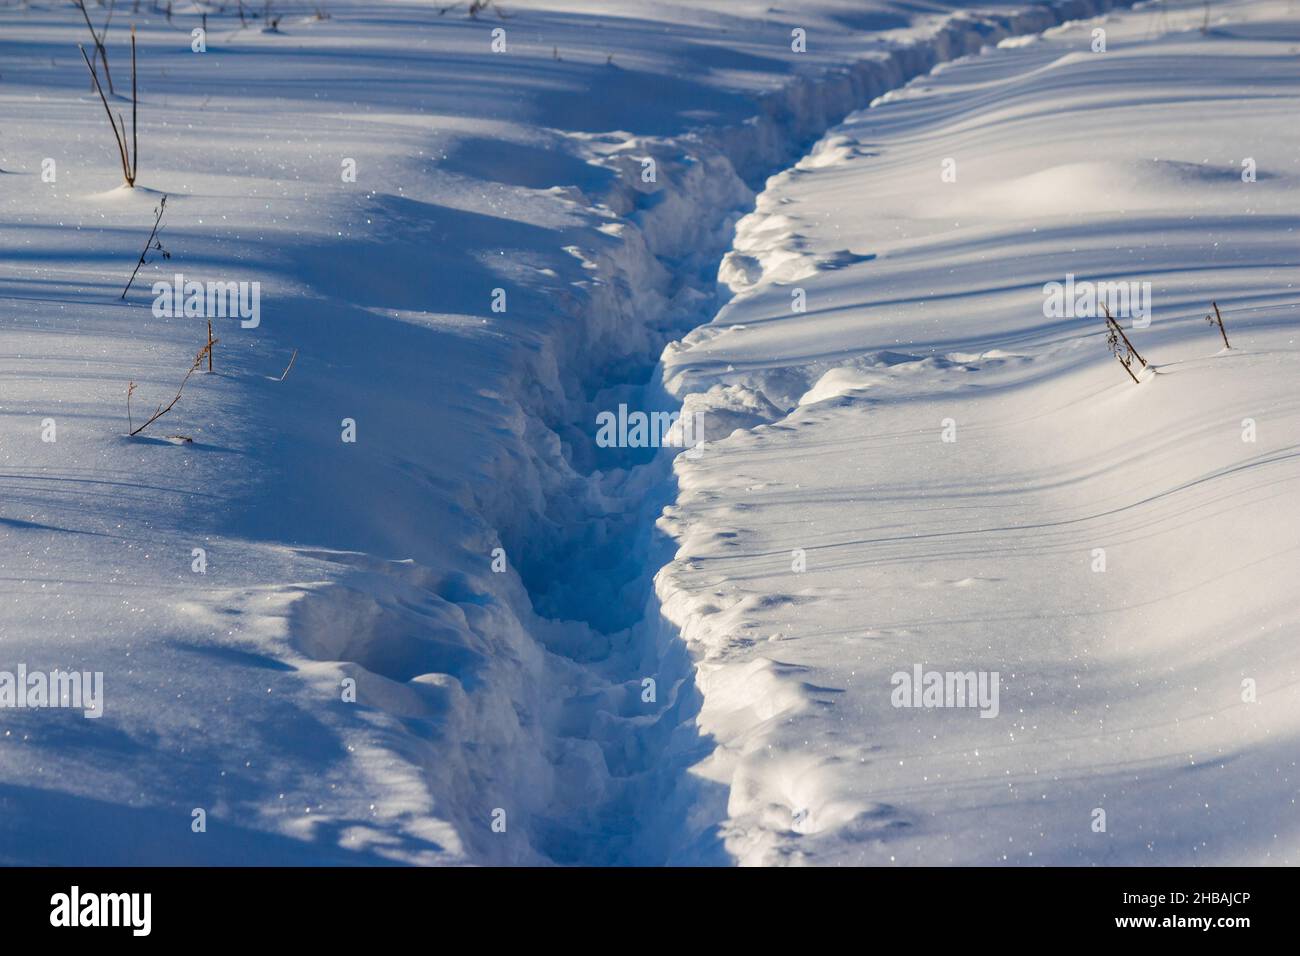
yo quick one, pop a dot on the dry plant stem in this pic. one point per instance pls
(1115, 325)
(211, 341)
(117, 136)
(162, 206)
(126, 156)
(135, 143)
(161, 410)
(292, 358)
(132, 157)
(1129, 370)
(1126, 359)
(1219, 316)
(99, 39)
(1113, 335)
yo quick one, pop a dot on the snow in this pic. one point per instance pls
(485, 571)
(1119, 690)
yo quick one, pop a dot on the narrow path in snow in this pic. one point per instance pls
(634, 800)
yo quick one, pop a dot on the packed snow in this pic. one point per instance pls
(638, 405)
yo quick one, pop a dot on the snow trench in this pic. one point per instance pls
(547, 713)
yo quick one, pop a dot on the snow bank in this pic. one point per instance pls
(961, 491)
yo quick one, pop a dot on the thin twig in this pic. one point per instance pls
(117, 137)
(1124, 356)
(1129, 368)
(1115, 324)
(135, 142)
(290, 365)
(162, 206)
(99, 39)
(161, 411)
(1222, 332)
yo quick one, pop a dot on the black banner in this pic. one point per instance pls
(339, 905)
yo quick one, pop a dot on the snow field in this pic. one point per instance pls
(476, 691)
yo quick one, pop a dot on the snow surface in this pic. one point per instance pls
(1120, 690)
(520, 696)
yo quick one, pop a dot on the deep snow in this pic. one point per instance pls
(959, 480)
(523, 691)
